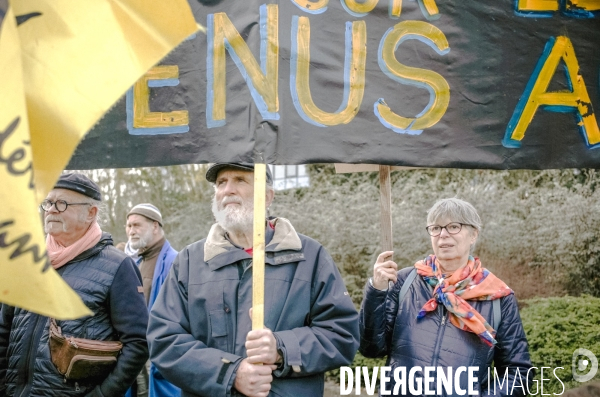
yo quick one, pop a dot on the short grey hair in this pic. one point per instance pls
(456, 210)
(102, 210)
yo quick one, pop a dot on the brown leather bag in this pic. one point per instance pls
(82, 359)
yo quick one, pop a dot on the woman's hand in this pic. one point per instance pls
(384, 270)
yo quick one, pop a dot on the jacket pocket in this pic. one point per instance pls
(218, 327)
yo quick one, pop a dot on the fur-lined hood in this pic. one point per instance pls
(285, 238)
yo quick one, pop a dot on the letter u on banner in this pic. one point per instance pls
(354, 74)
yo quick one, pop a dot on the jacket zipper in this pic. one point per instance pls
(440, 335)
(31, 355)
(232, 342)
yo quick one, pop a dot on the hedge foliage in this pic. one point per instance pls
(555, 328)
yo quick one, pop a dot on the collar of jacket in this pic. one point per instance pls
(105, 240)
(284, 247)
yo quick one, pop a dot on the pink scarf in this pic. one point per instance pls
(60, 255)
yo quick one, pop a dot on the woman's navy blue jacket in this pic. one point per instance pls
(390, 329)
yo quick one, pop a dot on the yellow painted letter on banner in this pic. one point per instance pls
(142, 116)
(432, 81)
(578, 99)
(354, 74)
(537, 5)
(313, 7)
(431, 7)
(363, 7)
(586, 5)
(395, 8)
(263, 86)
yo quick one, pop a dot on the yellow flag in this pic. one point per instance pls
(26, 279)
(79, 58)
(61, 69)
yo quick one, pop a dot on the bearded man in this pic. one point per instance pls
(200, 326)
(144, 229)
(107, 281)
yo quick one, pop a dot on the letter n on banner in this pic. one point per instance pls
(536, 94)
(261, 80)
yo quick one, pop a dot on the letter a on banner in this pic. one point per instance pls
(536, 94)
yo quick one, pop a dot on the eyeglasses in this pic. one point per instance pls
(451, 228)
(60, 205)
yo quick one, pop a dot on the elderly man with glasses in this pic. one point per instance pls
(108, 282)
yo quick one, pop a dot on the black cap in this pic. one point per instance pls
(213, 170)
(79, 183)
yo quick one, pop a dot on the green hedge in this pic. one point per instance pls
(555, 327)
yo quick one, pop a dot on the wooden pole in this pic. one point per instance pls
(385, 200)
(258, 247)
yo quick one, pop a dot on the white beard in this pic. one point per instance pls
(235, 219)
(137, 244)
(142, 241)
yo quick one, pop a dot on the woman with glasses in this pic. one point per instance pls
(447, 318)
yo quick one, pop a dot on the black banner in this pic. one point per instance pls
(430, 83)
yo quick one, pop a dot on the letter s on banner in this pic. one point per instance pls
(439, 90)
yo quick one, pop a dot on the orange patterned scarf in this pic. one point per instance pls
(470, 282)
(59, 255)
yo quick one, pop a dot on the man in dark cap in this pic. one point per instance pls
(200, 333)
(107, 281)
(145, 232)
